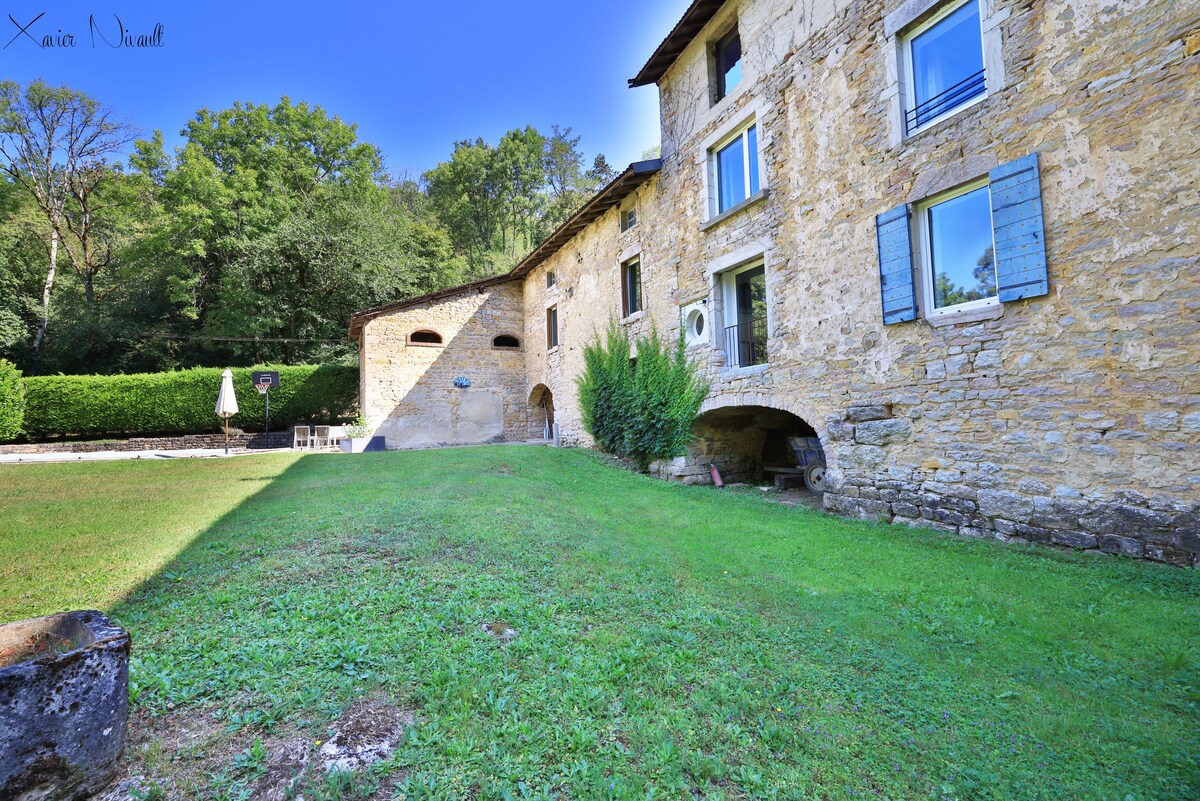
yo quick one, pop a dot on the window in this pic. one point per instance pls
(506, 341)
(551, 279)
(628, 218)
(976, 247)
(727, 64)
(734, 169)
(694, 325)
(425, 337)
(552, 327)
(631, 287)
(957, 253)
(745, 301)
(944, 60)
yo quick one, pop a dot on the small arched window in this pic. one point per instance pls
(425, 337)
(506, 341)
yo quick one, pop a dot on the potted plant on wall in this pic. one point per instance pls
(357, 437)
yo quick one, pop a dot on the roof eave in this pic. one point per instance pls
(689, 26)
(611, 195)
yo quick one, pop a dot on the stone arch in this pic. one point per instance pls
(506, 341)
(541, 413)
(751, 440)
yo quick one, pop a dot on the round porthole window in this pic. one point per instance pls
(695, 325)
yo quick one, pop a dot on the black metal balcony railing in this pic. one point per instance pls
(746, 343)
(938, 105)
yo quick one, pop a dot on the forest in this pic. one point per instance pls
(251, 242)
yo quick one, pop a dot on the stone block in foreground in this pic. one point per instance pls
(64, 702)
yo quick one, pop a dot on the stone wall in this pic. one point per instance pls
(408, 389)
(276, 439)
(1071, 418)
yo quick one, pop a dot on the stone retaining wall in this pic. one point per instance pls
(276, 439)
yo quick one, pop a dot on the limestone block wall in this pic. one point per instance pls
(587, 294)
(1074, 417)
(1071, 418)
(408, 392)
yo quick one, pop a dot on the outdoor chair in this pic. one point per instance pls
(336, 435)
(301, 437)
(321, 439)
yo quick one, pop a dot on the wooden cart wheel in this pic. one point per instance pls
(814, 478)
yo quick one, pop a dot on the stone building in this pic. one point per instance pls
(956, 240)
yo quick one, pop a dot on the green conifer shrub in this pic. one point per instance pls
(642, 411)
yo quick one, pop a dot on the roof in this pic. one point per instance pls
(617, 190)
(693, 21)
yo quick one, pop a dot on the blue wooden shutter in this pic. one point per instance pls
(1018, 229)
(896, 266)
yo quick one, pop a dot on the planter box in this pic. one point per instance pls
(364, 444)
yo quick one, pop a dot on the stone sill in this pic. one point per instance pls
(552, 351)
(633, 318)
(732, 210)
(953, 116)
(743, 372)
(426, 344)
(993, 312)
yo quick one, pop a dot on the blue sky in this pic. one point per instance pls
(416, 77)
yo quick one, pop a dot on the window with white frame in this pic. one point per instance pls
(944, 64)
(958, 265)
(733, 169)
(744, 302)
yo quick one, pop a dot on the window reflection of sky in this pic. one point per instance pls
(947, 54)
(731, 170)
(731, 165)
(960, 233)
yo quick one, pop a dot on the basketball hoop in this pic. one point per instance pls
(263, 381)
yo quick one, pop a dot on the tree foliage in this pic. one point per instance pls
(58, 146)
(499, 201)
(254, 240)
(643, 408)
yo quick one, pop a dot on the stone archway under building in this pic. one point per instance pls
(751, 444)
(541, 413)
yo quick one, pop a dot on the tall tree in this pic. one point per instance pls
(56, 143)
(277, 224)
(499, 202)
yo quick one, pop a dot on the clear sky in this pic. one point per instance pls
(415, 76)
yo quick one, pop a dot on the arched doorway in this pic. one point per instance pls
(541, 413)
(757, 443)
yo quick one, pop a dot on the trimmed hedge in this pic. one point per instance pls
(12, 401)
(182, 402)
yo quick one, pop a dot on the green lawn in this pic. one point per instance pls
(672, 642)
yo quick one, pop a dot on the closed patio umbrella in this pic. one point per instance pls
(226, 403)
